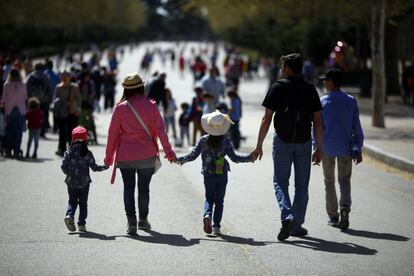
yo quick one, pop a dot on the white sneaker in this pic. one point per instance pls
(216, 231)
(82, 228)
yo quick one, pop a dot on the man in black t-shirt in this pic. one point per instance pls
(296, 107)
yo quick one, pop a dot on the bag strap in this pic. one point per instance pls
(134, 111)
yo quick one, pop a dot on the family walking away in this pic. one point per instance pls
(301, 121)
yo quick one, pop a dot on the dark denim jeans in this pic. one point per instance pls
(215, 186)
(78, 197)
(144, 179)
(284, 155)
(14, 131)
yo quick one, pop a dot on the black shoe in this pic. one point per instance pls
(333, 221)
(287, 226)
(27, 155)
(344, 222)
(34, 156)
(132, 225)
(143, 224)
(300, 233)
(59, 153)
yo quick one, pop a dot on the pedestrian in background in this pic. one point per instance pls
(196, 111)
(235, 114)
(67, 110)
(342, 142)
(75, 165)
(54, 81)
(38, 85)
(297, 107)
(213, 85)
(169, 114)
(14, 98)
(157, 90)
(35, 119)
(109, 83)
(132, 145)
(184, 124)
(213, 148)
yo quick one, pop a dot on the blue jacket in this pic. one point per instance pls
(77, 167)
(340, 118)
(209, 155)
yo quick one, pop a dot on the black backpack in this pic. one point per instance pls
(292, 119)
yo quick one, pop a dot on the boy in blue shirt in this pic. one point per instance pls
(342, 142)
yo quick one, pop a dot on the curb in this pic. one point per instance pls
(389, 158)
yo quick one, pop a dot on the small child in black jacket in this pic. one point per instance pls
(76, 163)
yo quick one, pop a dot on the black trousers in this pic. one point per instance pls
(66, 125)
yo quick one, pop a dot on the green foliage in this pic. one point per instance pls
(38, 22)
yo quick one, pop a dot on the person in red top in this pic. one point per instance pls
(34, 123)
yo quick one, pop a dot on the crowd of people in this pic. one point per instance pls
(71, 96)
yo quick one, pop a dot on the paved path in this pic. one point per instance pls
(34, 240)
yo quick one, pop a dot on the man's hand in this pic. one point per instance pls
(257, 153)
(316, 157)
(358, 159)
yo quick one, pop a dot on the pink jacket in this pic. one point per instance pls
(127, 139)
(14, 95)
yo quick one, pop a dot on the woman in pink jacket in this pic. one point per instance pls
(133, 150)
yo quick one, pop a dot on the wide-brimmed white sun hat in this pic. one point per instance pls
(216, 123)
(132, 81)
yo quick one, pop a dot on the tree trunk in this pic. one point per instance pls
(378, 63)
(391, 59)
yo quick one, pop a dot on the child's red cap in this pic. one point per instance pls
(79, 133)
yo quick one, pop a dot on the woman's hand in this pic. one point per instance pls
(171, 157)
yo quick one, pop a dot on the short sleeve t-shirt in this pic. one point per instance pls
(293, 101)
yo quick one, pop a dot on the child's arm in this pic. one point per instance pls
(236, 158)
(92, 164)
(192, 155)
(65, 163)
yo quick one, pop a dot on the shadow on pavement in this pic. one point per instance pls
(93, 235)
(332, 247)
(37, 160)
(169, 239)
(237, 240)
(375, 235)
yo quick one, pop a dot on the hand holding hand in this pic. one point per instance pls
(171, 157)
(257, 153)
(317, 157)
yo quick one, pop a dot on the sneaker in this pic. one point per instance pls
(344, 222)
(143, 224)
(300, 233)
(82, 228)
(216, 231)
(70, 223)
(207, 224)
(287, 226)
(333, 221)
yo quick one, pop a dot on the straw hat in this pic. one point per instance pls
(132, 81)
(216, 123)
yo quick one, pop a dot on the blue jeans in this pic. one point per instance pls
(284, 155)
(14, 131)
(215, 186)
(34, 135)
(144, 179)
(78, 197)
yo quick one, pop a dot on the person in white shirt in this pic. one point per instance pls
(169, 113)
